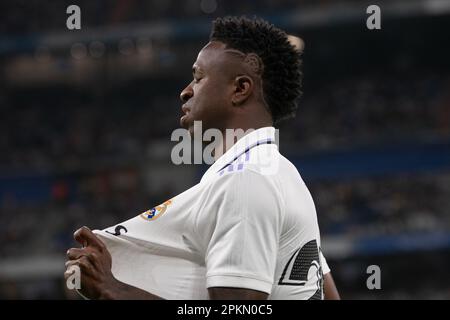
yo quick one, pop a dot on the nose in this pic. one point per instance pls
(186, 94)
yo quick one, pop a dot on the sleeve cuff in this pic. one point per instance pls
(238, 282)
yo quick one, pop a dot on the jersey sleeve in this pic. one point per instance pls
(242, 238)
(325, 268)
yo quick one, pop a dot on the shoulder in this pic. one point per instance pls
(264, 160)
(247, 177)
(245, 186)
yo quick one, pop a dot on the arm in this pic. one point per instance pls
(218, 293)
(241, 241)
(329, 288)
(122, 291)
(97, 281)
(221, 293)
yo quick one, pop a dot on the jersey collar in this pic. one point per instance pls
(265, 135)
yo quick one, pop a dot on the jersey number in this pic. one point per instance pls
(117, 230)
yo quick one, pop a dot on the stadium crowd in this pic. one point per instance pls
(27, 16)
(74, 155)
(94, 153)
(60, 127)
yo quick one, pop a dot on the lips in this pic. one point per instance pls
(184, 118)
(185, 108)
(183, 121)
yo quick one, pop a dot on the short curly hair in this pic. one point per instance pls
(282, 75)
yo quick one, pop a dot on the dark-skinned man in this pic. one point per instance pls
(248, 229)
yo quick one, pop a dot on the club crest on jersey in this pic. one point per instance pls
(156, 212)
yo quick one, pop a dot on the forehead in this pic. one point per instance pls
(213, 55)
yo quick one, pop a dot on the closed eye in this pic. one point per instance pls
(197, 74)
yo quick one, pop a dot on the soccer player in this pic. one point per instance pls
(248, 229)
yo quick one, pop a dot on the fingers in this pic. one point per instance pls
(79, 236)
(87, 238)
(89, 253)
(71, 263)
(83, 263)
(75, 253)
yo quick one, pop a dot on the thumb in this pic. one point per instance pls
(79, 236)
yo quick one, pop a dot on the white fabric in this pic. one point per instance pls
(325, 268)
(242, 226)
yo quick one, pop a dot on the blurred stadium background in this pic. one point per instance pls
(86, 118)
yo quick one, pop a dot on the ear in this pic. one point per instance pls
(243, 88)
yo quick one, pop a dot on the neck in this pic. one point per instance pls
(238, 130)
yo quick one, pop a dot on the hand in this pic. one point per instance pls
(94, 261)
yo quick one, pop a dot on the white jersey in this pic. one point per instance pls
(249, 223)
